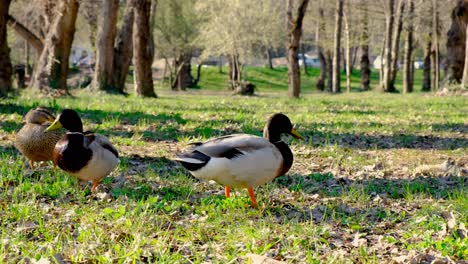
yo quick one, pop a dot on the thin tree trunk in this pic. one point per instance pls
(381, 70)
(396, 43)
(142, 52)
(52, 68)
(365, 63)
(319, 33)
(233, 71)
(123, 49)
(294, 32)
(198, 76)
(268, 57)
(27, 57)
(184, 77)
(329, 59)
(5, 62)
(304, 63)
(426, 85)
(220, 64)
(337, 47)
(105, 46)
(407, 61)
(387, 71)
(435, 43)
(348, 48)
(464, 83)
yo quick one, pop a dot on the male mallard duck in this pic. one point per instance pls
(243, 160)
(86, 155)
(32, 141)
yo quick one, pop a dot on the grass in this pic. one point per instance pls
(267, 80)
(366, 186)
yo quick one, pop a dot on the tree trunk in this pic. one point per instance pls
(198, 76)
(5, 63)
(220, 64)
(52, 68)
(456, 44)
(381, 70)
(142, 52)
(365, 65)
(268, 57)
(407, 61)
(337, 47)
(304, 63)
(319, 33)
(26, 34)
(123, 50)
(435, 43)
(294, 32)
(105, 46)
(348, 49)
(183, 78)
(464, 83)
(329, 59)
(387, 71)
(233, 70)
(426, 85)
(396, 43)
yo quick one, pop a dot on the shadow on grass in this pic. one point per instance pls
(335, 195)
(166, 127)
(396, 141)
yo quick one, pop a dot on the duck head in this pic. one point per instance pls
(279, 124)
(39, 116)
(68, 119)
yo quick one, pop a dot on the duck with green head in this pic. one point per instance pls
(86, 155)
(242, 160)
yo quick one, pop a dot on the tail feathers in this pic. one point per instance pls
(193, 161)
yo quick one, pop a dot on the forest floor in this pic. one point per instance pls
(379, 178)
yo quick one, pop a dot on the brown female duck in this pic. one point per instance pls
(33, 141)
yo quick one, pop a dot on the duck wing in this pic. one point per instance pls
(231, 146)
(101, 141)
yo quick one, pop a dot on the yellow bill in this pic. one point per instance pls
(296, 134)
(55, 125)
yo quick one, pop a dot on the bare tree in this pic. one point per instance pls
(52, 68)
(396, 43)
(347, 22)
(294, 32)
(337, 47)
(387, 59)
(5, 63)
(323, 63)
(435, 46)
(365, 65)
(407, 61)
(142, 52)
(105, 45)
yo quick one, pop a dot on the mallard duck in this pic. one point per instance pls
(86, 155)
(32, 140)
(243, 160)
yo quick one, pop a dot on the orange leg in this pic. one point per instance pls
(95, 183)
(31, 164)
(227, 191)
(252, 197)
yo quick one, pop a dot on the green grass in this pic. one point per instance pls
(276, 80)
(366, 185)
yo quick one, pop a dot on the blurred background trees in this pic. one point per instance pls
(116, 46)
